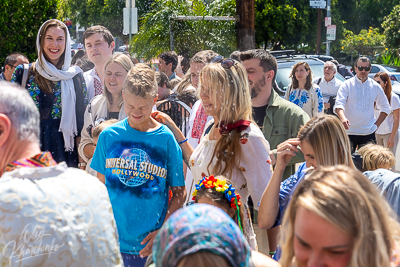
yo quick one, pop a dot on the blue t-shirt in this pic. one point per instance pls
(139, 168)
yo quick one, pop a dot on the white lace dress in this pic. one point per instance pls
(250, 176)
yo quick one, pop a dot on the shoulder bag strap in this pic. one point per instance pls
(25, 75)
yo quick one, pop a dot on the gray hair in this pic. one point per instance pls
(332, 64)
(18, 105)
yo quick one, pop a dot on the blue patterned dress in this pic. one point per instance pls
(49, 106)
(311, 101)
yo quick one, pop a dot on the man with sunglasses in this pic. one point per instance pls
(355, 102)
(12, 61)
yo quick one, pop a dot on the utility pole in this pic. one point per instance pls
(245, 10)
(318, 31)
(328, 14)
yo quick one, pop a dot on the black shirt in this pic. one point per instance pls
(259, 114)
(113, 115)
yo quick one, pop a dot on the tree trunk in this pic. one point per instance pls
(318, 32)
(245, 26)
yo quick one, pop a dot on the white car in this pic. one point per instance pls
(392, 71)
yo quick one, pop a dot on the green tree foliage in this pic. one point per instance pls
(274, 22)
(367, 42)
(20, 21)
(391, 25)
(108, 13)
(293, 24)
(189, 36)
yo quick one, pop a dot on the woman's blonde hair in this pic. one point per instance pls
(328, 139)
(295, 82)
(376, 157)
(347, 200)
(184, 83)
(125, 62)
(229, 88)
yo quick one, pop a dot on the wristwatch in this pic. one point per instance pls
(82, 164)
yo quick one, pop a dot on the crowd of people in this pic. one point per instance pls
(200, 163)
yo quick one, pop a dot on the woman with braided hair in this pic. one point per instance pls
(232, 145)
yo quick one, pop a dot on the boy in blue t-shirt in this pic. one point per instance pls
(138, 159)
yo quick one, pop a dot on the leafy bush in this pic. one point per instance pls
(189, 36)
(20, 21)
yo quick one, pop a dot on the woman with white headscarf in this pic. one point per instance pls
(58, 90)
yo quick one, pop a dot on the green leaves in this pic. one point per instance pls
(367, 42)
(20, 21)
(391, 25)
(189, 36)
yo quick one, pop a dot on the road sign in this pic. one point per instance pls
(134, 21)
(318, 4)
(328, 21)
(331, 32)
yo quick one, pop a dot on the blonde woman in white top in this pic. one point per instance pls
(232, 144)
(109, 105)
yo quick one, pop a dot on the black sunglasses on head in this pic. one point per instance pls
(226, 63)
(363, 68)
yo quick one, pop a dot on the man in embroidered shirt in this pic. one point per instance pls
(355, 102)
(99, 45)
(329, 85)
(50, 215)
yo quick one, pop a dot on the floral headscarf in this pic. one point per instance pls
(200, 227)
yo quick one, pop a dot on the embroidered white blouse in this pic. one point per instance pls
(56, 216)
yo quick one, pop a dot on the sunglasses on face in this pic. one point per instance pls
(363, 68)
(226, 63)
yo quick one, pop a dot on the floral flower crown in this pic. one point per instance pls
(222, 187)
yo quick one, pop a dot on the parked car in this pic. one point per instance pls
(123, 48)
(285, 66)
(323, 58)
(392, 71)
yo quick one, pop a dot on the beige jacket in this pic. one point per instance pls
(96, 112)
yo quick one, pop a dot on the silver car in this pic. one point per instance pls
(392, 71)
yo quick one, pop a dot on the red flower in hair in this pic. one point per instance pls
(209, 182)
(233, 204)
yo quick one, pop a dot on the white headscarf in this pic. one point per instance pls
(68, 97)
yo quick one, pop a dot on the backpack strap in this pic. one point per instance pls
(319, 81)
(25, 75)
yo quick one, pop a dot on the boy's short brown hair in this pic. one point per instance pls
(162, 80)
(99, 128)
(141, 81)
(98, 29)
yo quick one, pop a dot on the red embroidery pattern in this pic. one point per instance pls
(199, 123)
(244, 138)
(98, 86)
(43, 159)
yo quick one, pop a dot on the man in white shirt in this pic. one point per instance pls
(50, 215)
(355, 102)
(329, 85)
(99, 45)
